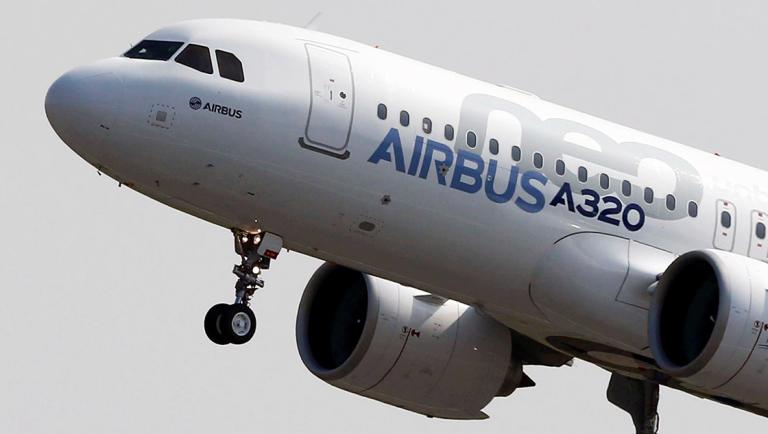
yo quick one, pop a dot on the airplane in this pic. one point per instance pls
(469, 229)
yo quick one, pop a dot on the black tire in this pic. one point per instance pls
(238, 324)
(212, 324)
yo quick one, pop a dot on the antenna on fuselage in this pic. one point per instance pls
(312, 24)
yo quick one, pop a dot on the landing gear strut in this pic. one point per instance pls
(638, 398)
(236, 323)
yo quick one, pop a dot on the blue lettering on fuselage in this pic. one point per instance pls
(471, 174)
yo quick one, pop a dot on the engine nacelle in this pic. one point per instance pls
(707, 324)
(403, 346)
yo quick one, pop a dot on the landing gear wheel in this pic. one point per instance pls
(237, 324)
(212, 327)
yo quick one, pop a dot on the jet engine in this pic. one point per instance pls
(402, 346)
(707, 324)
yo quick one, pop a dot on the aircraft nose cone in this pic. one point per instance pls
(82, 107)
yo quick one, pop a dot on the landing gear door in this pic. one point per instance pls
(758, 245)
(725, 227)
(332, 102)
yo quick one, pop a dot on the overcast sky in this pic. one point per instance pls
(103, 291)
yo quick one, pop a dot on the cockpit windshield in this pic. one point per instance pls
(154, 50)
(230, 66)
(196, 57)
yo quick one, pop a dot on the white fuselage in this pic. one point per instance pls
(325, 172)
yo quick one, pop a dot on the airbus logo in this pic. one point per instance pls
(196, 103)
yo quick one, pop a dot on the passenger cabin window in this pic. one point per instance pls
(648, 195)
(196, 57)
(154, 50)
(381, 112)
(426, 125)
(605, 181)
(493, 146)
(448, 132)
(671, 202)
(626, 188)
(538, 160)
(693, 209)
(230, 66)
(560, 167)
(517, 153)
(583, 175)
(760, 230)
(405, 118)
(471, 139)
(725, 219)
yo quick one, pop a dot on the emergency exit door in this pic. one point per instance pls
(758, 244)
(725, 227)
(332, 101)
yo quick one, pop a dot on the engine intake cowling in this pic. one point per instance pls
(403, 346)
(705, 319)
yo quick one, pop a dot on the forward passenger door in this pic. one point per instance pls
(332, 101)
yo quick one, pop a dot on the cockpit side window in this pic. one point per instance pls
(230, 66)
(196, 57)
(154, 50)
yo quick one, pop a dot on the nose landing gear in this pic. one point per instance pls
(236, 323)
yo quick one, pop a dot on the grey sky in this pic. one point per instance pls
(103, 291)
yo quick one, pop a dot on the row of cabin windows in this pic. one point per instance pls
(538, 162)
(583, 175)
(405, 120)
(605, 181)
